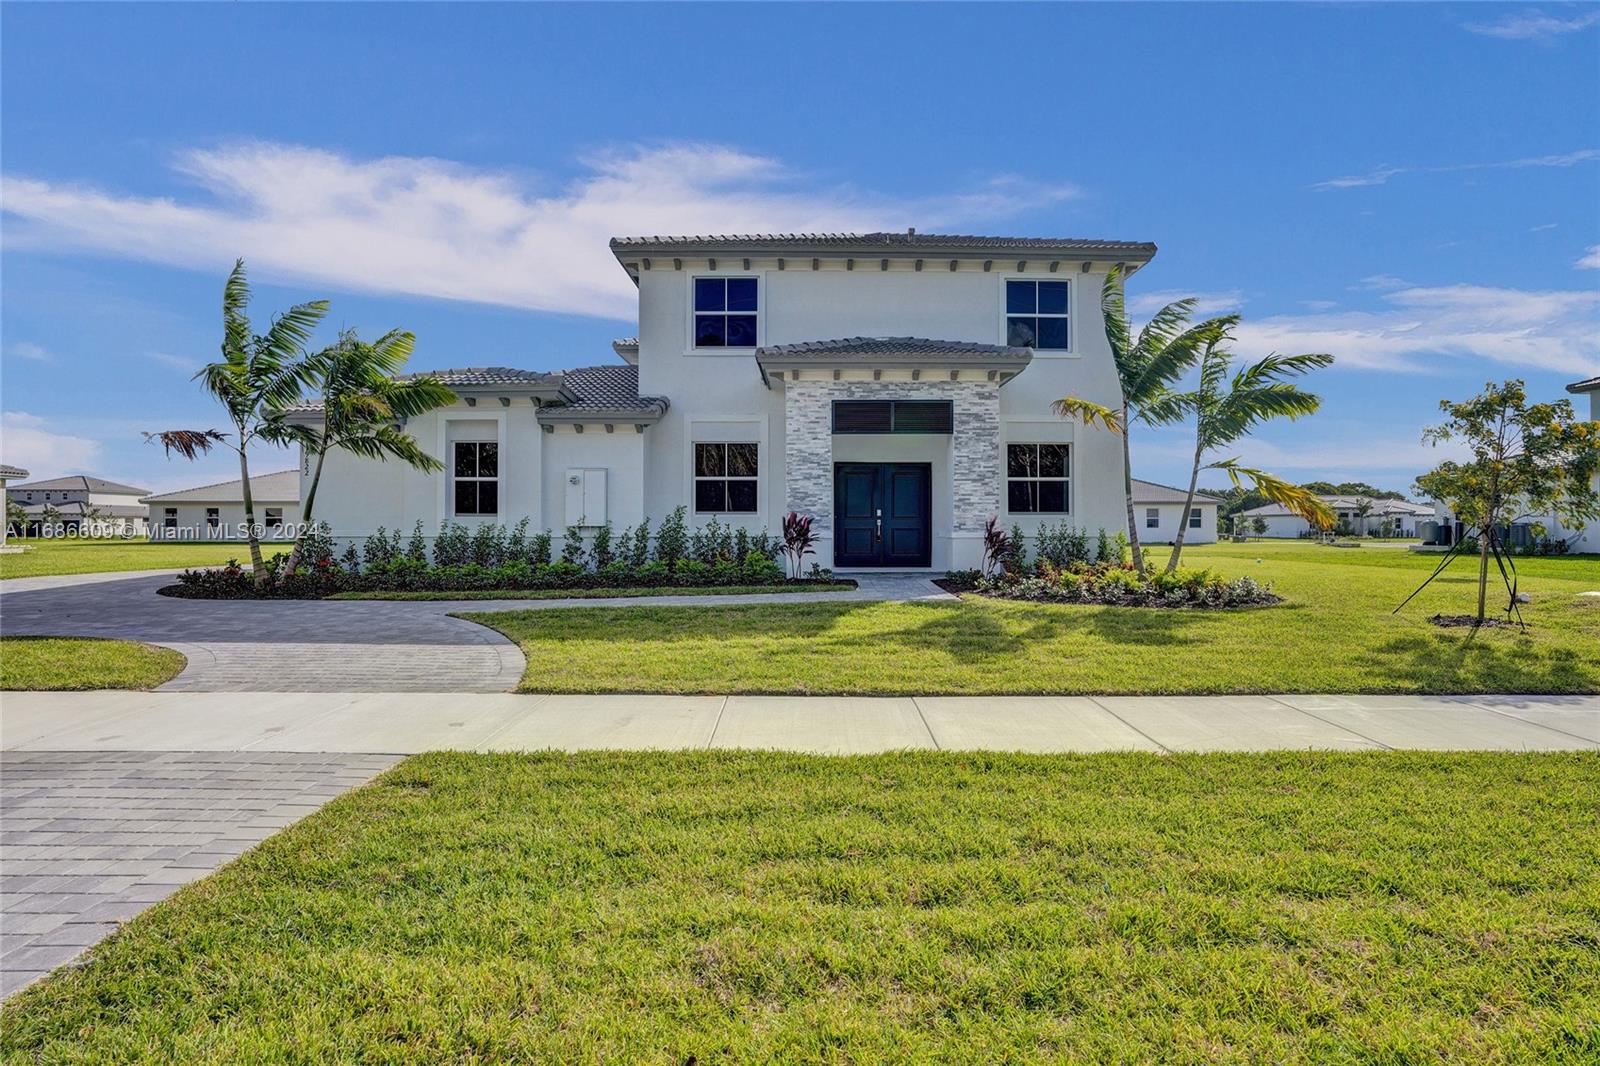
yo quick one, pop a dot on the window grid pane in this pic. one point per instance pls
(725, 312)
(725, 478)
(1037, 314)
(1037, 478)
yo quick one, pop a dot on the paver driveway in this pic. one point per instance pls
(91, 839)
(322, 645)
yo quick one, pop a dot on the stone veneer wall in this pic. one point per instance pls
(975, 444)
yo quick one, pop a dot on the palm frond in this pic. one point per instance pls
(235, 320)
(1301, 501)
(1088, 412)
(1114, 315)
(1167, 408)
(286, 338)
(189, 443)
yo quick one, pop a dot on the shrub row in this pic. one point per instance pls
(1119, 585)
(405, 574)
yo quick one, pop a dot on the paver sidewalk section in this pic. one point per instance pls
(88, 840)
(406, 722)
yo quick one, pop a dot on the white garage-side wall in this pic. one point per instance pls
(191, 520)
(1169, 518)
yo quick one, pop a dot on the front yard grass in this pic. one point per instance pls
(46, 557)
(73, 663)
(593, 594)
(1335, 633)
(735, 907)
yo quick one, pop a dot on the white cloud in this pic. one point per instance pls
(25, 442)
(431, 227)
(31, 351)
(1533, 26)
(1553, 330)
(1381, 175)
(1542, 227)
(1319, 305)
(176, 362)
(1207, 303)
(1590, 259)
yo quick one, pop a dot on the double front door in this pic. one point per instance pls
(882, 514)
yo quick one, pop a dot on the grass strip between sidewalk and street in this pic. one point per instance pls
(741, 906)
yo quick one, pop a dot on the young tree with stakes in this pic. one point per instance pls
(1523, 460)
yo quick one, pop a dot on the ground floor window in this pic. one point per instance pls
(169, 518)
(476, 465)
(1194, 518)
(213, 520)
(1036, 478)
(1152, 518)
(725, 478)
(275, 519)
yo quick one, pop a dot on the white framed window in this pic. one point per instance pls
(725, 312)
(1194, 518)
(725, 478)
(274, 519)
(1036, 314)
(1152, 518)
(475, 466)
(213, 520)
(169, 518)
(1038, 478)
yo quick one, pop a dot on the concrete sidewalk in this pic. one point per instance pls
(408, 722)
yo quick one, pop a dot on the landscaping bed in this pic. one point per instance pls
(40, 664)
(1113, 585)
(803, 585)
(763, 907)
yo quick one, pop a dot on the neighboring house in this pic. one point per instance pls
(8, 473)
(895, 386)
(1586, 539)
(1399, 517)
(86, 506)
(1158, 509)
(216, 512)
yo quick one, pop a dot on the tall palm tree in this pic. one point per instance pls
(256, 378)
(1227, 409)
(364, 409)
(1147, 367)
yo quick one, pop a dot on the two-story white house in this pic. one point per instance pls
(895, 386)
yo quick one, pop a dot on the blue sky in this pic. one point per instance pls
(1413, 188)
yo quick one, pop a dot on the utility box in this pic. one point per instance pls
(586, 496)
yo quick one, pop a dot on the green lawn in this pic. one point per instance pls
(592, 594)
(738, 907)
(50, 663)
(1335, 633)
(45, 557)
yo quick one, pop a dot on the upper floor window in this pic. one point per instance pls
(725, 478)
(725, 312)
(477, 477)
(1036, 478)
(1036, 314)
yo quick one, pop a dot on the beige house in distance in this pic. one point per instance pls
(216, 512)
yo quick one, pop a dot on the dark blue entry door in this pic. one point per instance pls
(882, 514)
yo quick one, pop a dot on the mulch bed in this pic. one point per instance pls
(1469, 621)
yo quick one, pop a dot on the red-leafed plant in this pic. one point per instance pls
(798, 540)
(996, 546)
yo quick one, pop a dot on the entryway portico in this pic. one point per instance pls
(903, 425)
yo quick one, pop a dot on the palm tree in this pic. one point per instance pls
(364, 409)
(1227, 409)
(256, 378)
(1147, 368)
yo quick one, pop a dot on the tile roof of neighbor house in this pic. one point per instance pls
(9, 472)
(282, 486)
(1586, 385)
(84, 483)
(930, 244)
(908, 349)
(1155, 492)
(602, 390)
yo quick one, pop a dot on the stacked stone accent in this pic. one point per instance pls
(975, 444)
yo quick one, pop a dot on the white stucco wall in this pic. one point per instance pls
(1170, 518)
(192, 525)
